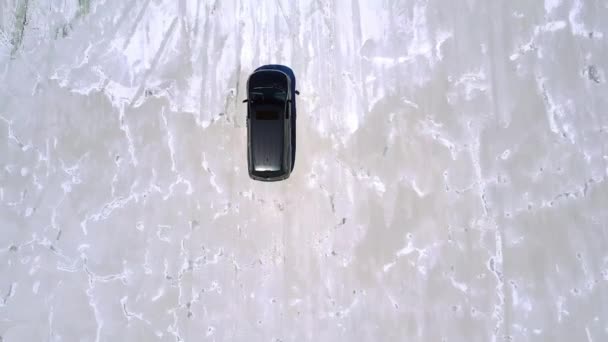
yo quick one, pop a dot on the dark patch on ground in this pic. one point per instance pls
(593, 74)
(84, 7)
(20, 24)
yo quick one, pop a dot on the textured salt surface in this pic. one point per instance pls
(450, 183)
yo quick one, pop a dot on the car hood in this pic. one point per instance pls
(265, 78)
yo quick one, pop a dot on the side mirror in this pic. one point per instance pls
(297, 92)
(245, 100)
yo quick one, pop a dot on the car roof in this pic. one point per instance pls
(267, 144)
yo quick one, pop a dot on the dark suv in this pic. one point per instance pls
(271, 122)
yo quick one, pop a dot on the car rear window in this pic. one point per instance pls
(267, 115)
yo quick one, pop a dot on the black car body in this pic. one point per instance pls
(271, 123)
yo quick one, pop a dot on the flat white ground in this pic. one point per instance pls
(450, 181)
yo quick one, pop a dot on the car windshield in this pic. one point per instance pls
(269, 95)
